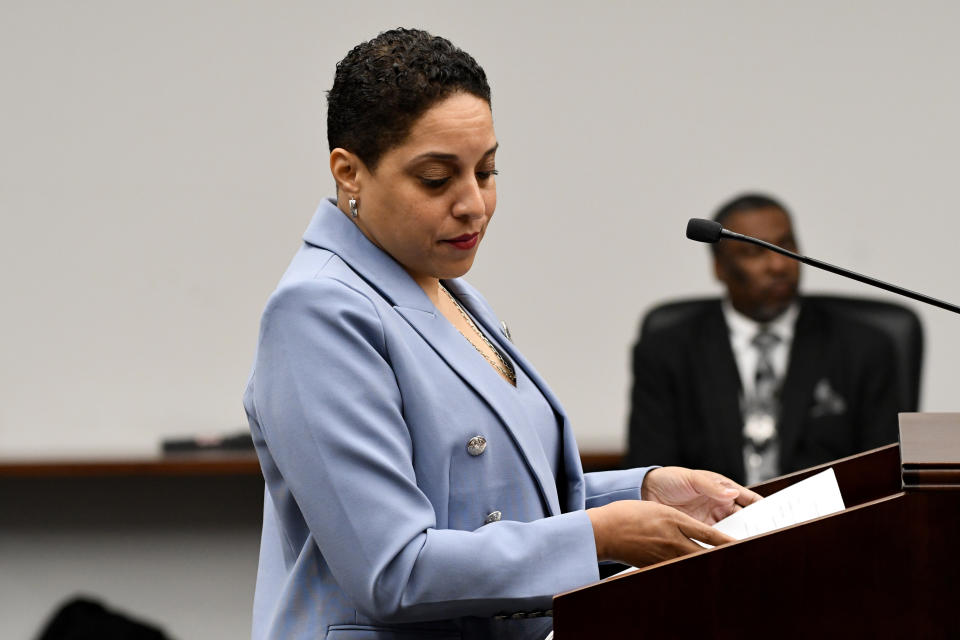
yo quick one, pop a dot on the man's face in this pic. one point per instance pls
(761, 284)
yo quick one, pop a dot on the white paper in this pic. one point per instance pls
(817, 496)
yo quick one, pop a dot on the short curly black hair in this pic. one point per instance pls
(383, 85)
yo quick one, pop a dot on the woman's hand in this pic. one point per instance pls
(707, 496)
(639, 532)
(678, 506)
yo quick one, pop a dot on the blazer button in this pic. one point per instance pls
(493, 516)
(476, 445)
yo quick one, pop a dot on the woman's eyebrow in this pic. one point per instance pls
(449, 157)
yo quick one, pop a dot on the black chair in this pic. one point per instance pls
(899, 322)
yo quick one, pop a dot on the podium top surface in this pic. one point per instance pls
(930, 439)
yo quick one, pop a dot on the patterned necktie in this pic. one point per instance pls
(765, 379)
(761, 450)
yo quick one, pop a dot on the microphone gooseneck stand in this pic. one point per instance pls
(708, 231)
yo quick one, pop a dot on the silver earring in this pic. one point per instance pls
(353, 207)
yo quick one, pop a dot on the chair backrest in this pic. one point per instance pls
(899, 322)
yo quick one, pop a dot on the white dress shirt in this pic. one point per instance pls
(742, 332)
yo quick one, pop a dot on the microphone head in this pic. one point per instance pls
(703, 230)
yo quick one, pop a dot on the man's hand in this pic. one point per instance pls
(707, 496)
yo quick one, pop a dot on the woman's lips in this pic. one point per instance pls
(466, 241)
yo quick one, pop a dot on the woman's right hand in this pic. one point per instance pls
(641, 532)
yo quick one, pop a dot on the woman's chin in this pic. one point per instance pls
(456, 270)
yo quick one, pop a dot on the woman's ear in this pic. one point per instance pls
(346, 169)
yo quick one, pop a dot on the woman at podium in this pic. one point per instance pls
(422, 479)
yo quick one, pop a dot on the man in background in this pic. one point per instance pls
(761, 382)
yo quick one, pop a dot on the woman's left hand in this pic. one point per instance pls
(707, 496)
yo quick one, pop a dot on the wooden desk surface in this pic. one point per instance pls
(187, 464)
(193, 464)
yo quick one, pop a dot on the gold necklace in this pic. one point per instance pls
(504, 367)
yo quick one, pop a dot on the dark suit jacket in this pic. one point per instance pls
(838, 398)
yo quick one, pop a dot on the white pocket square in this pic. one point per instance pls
(826, 401)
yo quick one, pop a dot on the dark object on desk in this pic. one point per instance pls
(236, 442)
(83, 619)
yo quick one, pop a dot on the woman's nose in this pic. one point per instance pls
(470, 201)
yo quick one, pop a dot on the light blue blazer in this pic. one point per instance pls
(361, 403)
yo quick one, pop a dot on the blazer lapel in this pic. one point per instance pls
(331, 230)
(720, 378)
(503, 399)
(805, 356)
(573, 469)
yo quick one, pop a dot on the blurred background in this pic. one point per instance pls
(160, 161)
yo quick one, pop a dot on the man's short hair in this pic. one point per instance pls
(750, 201)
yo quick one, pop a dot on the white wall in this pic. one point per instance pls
(159, 162)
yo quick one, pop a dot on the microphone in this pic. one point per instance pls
(710, 232)
(703, 230)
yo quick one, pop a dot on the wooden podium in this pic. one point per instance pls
(888, 566)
